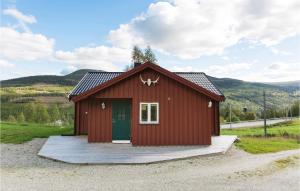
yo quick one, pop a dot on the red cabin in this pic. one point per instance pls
(147, 105)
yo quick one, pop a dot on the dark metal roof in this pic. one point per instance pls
(93, 79)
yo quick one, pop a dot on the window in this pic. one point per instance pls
(149, 113)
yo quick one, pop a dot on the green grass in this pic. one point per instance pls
(267, 145)
(283, 136)
(19, 133)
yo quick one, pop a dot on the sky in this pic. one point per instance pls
(251, 40)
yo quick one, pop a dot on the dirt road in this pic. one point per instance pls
(22, 169)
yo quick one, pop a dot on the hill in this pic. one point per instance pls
(249, 94)
(67, 80)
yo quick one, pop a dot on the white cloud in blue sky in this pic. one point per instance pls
(255, 40)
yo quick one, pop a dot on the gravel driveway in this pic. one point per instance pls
(22, 169)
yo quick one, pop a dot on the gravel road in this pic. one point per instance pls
(22, 169)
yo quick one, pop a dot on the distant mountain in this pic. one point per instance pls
(249, 94)
(68, 80)
(286, 84)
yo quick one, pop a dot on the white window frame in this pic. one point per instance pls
(149, 113)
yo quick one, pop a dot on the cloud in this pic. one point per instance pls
(277, 51)
(184, 69)
(275, 72)
(100, 57)
(27, 46)
(68, 70)
(228, 69)
(216, 70)
(190, 29)
(21, 17)
(16, 45)
(4, 64)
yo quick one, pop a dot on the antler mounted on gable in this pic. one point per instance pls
(149, 81)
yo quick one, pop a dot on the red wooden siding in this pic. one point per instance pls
(100, 127)
(83, 117)
(184, 116)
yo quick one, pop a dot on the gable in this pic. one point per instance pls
(93, 82)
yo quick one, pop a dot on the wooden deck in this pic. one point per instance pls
(76, 150)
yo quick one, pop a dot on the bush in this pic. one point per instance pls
(29, 110)
(234, 118)
(11, 119)
(42, 115)
(54, 113)
(248, 116)
(222, 120)
(21, 118)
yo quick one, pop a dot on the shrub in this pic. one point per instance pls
(42, 115)
(21, 118)
(222, 120)
(11, 119)
(29, 110)
(54, 113)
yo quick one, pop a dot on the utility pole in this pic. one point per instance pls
(265, 120)
(230, 114)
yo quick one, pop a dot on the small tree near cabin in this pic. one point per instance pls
(149, 56)
(137, 55)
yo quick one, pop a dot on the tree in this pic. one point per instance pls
(42, 115)
(137, 55)
(250, 116)
(234, 118)
(149, 56)
(54, 113)
(29, 112)
(295, 108)
(11, 119)
(20, 117)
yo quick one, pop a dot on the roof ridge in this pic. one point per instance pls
(103, 72)
(189, 72)
(172, 72)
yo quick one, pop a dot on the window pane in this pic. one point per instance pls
(153, 112)
(144, 112)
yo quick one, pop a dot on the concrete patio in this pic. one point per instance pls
(76, 150)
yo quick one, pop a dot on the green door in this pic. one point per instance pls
(121, 118)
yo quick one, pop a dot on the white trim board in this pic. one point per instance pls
(121, 141)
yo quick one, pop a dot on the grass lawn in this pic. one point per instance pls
(19, 133)
(291, 128)
(283, 136)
